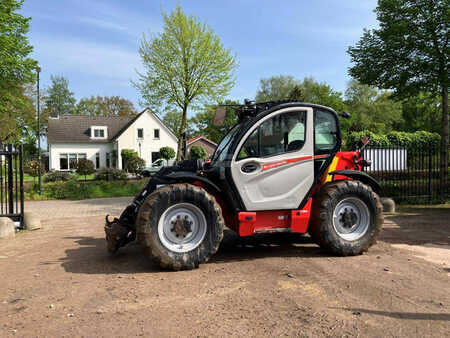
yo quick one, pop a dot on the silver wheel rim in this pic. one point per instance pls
(182, 227)
(351, 218)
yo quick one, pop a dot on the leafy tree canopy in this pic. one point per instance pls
(16, 71)
(105, 106)
(370, 109)
(167, 153)
(284, 87)
(59, 99)
(202, 122)
(185, 64)
(172, 119)
(197, 152)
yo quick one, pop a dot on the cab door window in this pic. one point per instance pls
(325, 132)
(280, 134)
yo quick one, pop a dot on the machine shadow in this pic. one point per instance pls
(91, 257)
(402, 315)
(234, 248)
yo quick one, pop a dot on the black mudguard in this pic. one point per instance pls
(359, 176)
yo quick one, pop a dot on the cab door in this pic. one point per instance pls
(273, 166)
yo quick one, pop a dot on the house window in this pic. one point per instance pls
(140, 132)
(98, 132)
(156, 133)
(155, 156)
(63, 163)
(73, 161)
(70, 161)
(97, 160)
(108, 160)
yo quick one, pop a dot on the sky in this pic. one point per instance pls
(94, 43)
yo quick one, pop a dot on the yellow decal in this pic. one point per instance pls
(331, 168)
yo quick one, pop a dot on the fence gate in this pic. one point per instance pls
(11, 183)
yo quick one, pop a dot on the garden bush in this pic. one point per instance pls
(110, 174)
(197, 152)
(135, 165)
(55, 176)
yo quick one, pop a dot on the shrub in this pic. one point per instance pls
(85, 167)
(197, 152)
(135, 165)
(167, 153)
(75, 190)
(32, 168)
(110, 174)
(55, 176)
(128, 154)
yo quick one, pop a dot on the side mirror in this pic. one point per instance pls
(219, 117)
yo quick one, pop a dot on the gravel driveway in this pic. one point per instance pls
(59, 281)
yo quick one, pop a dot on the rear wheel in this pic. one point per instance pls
(346, 218)
(180, 226)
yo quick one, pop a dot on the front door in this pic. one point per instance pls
(273, 166)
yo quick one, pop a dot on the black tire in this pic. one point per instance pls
(321, 227)
(154, 207)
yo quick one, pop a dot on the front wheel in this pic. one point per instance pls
(180, 226)
(347, 217)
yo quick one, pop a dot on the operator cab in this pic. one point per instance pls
(273, 157)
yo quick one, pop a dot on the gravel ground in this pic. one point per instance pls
(59, 281)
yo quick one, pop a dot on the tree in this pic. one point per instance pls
(276, 88)
(172, 119)
(197, 152)
(370, 109)
(105, 106)
(184, 65)
(286, 87)
(167, 153)
(421, 112)
(296, 94)
(16, 70)
(85, 167)
(203, 122)
(409, 54)
(59, 99)
(321, 93)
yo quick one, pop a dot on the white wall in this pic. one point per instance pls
(90, 149)
(148, 122)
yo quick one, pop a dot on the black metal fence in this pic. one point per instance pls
(409, 174)
(11, 183)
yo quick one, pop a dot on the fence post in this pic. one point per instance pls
(430, 173)
(21, 185)
(10, 181)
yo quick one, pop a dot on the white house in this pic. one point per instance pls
(102, 138)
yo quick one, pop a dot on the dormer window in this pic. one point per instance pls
(99, 132)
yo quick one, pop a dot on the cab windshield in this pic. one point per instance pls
(224, 145)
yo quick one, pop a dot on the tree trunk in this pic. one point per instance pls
(182, 130)
(444, 140)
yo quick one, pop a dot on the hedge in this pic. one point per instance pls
(418, 139)
(76, 190)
